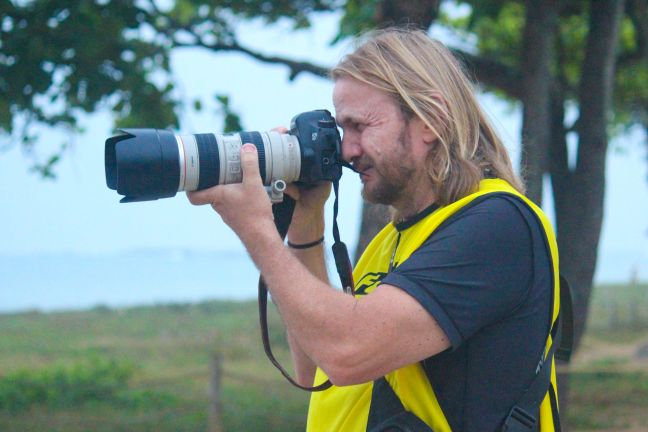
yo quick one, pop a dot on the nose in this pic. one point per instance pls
(350, 147)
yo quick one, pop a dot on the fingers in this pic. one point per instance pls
(251, 176)
(205, 196)
(293, 191)
(250, 164)
(280, 129)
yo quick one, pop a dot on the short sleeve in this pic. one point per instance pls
(474, 270)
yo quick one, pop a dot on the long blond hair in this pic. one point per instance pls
(428, 82)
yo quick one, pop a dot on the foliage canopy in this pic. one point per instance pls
(59, 60)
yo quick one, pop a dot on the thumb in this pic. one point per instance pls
(250, 164)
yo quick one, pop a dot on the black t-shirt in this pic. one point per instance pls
(485, 276)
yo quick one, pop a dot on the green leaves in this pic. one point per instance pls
(359, 16)
(499, 33)
(46, 170)
(62, 59)
(232, 121)
(498, 26)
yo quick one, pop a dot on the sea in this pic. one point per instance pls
(66, 281)
(61, 281)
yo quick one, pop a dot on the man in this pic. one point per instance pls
(454, 298)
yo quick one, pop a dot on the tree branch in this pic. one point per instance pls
(174, 27)
(492, 73)
(485, 70)
(296, 67)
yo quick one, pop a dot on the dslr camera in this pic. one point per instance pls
(148, 164)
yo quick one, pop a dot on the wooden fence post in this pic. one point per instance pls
(613, 320)
(215, 408)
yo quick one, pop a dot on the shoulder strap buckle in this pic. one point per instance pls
(519, 420)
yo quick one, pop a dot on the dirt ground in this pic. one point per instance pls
(623, 356)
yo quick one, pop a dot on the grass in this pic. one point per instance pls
(167, 350)
(147, 368)
(608, 400)
(619, 310)
(608, 383)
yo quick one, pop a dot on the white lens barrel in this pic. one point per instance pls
(189, 160)
(283, 159)
(280, 152)
(229, 152)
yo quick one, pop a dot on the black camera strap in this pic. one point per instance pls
(340, 251)
(282, 213)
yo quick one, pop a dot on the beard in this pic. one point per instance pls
(392, 174)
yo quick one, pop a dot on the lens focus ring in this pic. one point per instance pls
(256, 139)
(209, 160)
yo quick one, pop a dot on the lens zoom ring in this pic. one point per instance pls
(209, 160)
(256, 139)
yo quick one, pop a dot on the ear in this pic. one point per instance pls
(430, 131)
(429, 135)
(422, 131)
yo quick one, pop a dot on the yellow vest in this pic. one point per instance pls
(347, 408)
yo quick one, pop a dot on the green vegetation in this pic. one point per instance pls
(147, 368)
(619, 311)
(609, 379)
(96, 380)
(142, 369)
(608, 400)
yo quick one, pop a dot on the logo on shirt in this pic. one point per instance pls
(368, 283)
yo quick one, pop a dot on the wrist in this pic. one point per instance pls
(308, 245)
(304, 230)
(261, 238)
(308, 213)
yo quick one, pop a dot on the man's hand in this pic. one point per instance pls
(245, 206)
(309, 198)
(308, 218)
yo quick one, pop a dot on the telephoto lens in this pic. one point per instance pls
(148, 164)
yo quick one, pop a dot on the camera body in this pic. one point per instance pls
(148, 164)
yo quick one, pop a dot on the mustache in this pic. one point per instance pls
(361, 164)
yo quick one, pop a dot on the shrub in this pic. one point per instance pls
(64, 386)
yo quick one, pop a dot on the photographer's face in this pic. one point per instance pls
(377, 140)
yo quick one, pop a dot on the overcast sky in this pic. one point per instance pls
(78, 213)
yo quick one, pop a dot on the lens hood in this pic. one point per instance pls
(142, 164)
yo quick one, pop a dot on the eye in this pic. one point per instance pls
(356, 126)
(352, 126)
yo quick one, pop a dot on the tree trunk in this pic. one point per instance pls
(538, 40)
(579, 192)
(559, 170)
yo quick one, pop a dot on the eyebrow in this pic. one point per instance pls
(347, 119)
